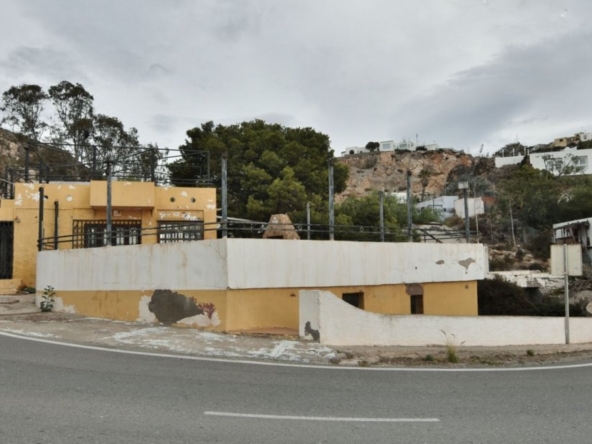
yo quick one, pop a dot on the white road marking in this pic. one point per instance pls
(319, 418)
(281, 364)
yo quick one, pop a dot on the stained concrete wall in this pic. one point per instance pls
(254, 283)
(253, 263)
(258, 263)
(338, 323)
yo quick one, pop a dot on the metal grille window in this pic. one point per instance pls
(93, 233)
(180, 231)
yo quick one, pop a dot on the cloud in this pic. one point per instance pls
(520, 92)
(460, 72)
(43, 63)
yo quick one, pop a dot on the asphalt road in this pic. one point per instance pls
(55, 394)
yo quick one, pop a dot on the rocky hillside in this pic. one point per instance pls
(10, 150)
(387, 171)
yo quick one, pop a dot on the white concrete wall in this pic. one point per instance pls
(510, 160)
(258, 263)
(182, 265)
(475, 204)
(529, 279)
(538, 160)
(340, 324)
(276, 263)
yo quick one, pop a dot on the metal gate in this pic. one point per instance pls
(6, 249)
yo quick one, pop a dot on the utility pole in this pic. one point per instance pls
(224, 196)
(464, 186)
(381, 215)
(308, 220)
(331, 203)
(409, 212)
(109, 203)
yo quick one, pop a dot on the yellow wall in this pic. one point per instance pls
(278, 308)
(125, 305)
(140, 201)
(248, 310)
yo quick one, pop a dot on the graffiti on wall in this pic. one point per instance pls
(170, 307)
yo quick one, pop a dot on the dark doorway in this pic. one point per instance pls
(6, 249)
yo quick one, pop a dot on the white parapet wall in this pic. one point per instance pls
(326, 318)
(258, 263)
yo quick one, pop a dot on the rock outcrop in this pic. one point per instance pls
(388, 171)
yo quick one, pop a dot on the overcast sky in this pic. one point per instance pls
(458, 72)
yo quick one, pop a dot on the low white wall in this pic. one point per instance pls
(173, 266)
(274, 263)
(258, 263)
(340, 324)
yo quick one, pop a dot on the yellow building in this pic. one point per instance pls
(239, 285)
(74, 216)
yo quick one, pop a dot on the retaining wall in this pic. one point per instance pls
(334, 322)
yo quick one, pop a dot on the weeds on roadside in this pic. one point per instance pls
(451, 347)
(529, 352)
(48, 297)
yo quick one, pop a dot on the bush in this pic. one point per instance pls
(497, 297)
(540, 245)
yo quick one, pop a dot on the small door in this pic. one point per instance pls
(6, 249)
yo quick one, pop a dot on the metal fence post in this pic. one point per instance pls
(409, 211)
(224, 196)
(109, 204)
(331, 203)
(40, 232)
(308, 220)
(381, 214)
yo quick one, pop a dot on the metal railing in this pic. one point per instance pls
(93, 233)
(50, 162)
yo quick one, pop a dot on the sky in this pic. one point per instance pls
(460, 73)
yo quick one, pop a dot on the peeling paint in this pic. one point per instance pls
(211, 206)
(145, 314)
(69, 198)
(58, 305)
(18, 200)
(71, 187)
(414, 289)
(467, 263)
(315, 334)
(30, 185)
(201, 320)
(184, 193)
(172, 307)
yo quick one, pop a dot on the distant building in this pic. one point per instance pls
(443, 205)
(568, 161)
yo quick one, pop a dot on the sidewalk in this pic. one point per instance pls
(18, 315)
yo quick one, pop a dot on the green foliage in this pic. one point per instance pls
(271, 168)
(532, 195)
(373, 146)
(48, 297)
(540, 244)
(530, 352)
(75, 124)
(497, 297)
(365, 212)
(22, 107)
